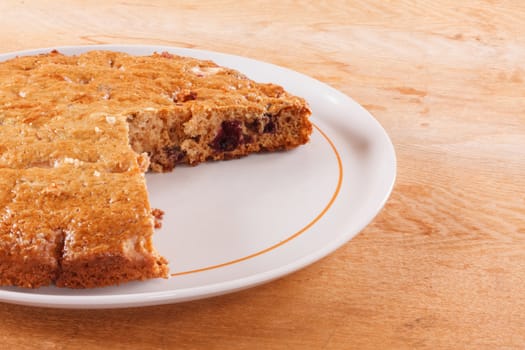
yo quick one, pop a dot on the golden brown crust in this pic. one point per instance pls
(77, 134)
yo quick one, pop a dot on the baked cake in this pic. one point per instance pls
(77, 134)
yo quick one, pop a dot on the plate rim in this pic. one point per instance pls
(193, 293)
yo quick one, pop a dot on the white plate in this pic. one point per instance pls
(235, 224)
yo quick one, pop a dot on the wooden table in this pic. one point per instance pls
(441, 267)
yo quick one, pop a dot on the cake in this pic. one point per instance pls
(77, 134)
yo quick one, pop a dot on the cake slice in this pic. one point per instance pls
(116, 246)
(78, 215)
(77, 134)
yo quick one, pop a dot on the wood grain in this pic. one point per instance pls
(441, 267)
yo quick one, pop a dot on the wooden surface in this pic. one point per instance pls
(441, 267)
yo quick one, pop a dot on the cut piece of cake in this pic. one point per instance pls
(77, 134)
(77, 215)
(116, 246)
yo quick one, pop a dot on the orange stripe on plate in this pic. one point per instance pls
(296, 234)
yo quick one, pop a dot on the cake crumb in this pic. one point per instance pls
(158, 215)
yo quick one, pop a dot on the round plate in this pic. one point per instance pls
(235, 224)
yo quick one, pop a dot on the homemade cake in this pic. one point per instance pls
(77, 134)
